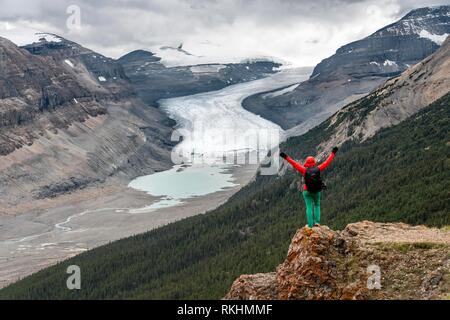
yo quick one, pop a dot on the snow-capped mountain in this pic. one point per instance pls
(356, 69)
(66, 124)
(428, 22)
(392, 49)
(154, 78)
(106, 72)
(167, 72)
(200, 53)
(65, 106)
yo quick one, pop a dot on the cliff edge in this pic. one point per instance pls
(366, 260)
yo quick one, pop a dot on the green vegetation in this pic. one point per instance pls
(401, 174)
(407, 247)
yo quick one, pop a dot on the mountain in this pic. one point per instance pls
(63, 128)
(153, 80)
(399, 98)
(342, 265)
(84, 63)
(382, 179)
(392, 166)
(356, 69)
(71, 118)
(142, 73)
(392, 49)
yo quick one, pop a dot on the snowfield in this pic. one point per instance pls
(68, 62)
(23, 34)
(203, 54)
(436, 38)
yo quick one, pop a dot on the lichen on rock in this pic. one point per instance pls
(413, 263)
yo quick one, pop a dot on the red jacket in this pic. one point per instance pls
(310, 162)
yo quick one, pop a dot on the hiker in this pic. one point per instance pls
(313, 184)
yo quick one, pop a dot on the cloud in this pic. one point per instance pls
(300, 31)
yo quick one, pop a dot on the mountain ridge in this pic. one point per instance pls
(351, 73)
(64, 129)
(397, 99)
(153, 81)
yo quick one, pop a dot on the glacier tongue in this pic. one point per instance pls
(215, 123)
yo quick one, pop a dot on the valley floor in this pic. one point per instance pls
(30, 242)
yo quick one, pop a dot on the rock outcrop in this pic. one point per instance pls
(366, 260)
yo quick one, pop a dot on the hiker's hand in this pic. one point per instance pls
(283, 155)
(335, 149)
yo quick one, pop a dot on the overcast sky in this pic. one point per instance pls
(302, 32)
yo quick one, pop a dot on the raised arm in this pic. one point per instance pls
(330, 158)
(297, 166)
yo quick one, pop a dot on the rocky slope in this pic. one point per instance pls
(356, 69)
(63, 128)
(103, 75)
(395, 101)
(391, 49)
(366, 260)
(152, 80)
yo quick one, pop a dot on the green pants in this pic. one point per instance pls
(312, 200)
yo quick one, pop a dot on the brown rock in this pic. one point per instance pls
(413, 263)
(260, 286)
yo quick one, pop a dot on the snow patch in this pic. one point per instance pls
(173, 57)
(389, 63)
(374, 63)
(48, 244)
(207, 68)
(102, 79)
(47, 37)
(436, 38)
(68, 62)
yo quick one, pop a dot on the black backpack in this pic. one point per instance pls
(313, 181)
